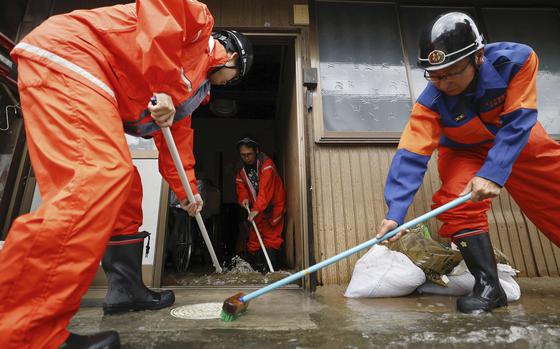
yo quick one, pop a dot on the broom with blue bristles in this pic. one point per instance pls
(238, 303)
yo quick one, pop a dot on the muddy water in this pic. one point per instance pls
(432, 321)
(239, 273)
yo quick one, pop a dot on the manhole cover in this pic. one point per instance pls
(198, 311)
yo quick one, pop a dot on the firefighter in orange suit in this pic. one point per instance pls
(86, 78)
(122, 261)
(480, 111)
(259, 187)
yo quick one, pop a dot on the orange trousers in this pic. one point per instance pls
(85, 175)
(270, 234)
(534, 184)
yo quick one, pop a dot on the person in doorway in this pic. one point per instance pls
(479, 110)
(260, 188)
(86, 78)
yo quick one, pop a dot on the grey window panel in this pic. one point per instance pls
(540, 29)
(363, 77)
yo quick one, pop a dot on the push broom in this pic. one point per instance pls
(179, 166)
(261, 242)
(238, 303)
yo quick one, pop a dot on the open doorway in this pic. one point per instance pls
(264, 105)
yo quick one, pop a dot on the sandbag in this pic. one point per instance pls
(462, 284)
(384, 273)
(435, 259)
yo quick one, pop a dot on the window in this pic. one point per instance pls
(540, 29)
(364, 83)
(367, 63)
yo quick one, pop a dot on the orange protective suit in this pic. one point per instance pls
(270, 202)
(81, 76)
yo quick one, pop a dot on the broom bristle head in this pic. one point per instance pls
(233, 307)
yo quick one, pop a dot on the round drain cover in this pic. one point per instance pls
(198, 311)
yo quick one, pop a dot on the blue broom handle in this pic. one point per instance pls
(353, 250)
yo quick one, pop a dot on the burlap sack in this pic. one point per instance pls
(435, 259)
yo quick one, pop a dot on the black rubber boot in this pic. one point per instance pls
(122, 263)
(477, 251)
(101, 340)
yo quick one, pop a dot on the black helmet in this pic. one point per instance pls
(237, 42)
(447, 39)
(248, 141)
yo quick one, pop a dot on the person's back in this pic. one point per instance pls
(109, 50)
(80, 76)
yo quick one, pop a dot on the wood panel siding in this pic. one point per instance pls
(349, 205)
(253, 13)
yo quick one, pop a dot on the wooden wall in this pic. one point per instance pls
(348, 204)
(252, 13)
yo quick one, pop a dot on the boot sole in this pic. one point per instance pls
(499, 304)
(119, 309)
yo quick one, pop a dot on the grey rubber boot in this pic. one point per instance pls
(122, 263)
(101, 340)
(477, 251)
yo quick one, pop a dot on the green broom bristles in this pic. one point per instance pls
(229, 317)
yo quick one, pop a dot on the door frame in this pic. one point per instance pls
(291, 38)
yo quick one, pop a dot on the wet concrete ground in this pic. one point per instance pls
(291, 318)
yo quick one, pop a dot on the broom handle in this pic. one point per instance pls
(179, 165)
(184, 180)
(355, 249)
(261, 242)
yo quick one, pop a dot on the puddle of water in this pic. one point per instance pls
(239, 272)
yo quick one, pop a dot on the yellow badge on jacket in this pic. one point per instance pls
(459, 118)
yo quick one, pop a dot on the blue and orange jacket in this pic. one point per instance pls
(502, 109)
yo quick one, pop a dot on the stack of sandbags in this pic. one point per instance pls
(416, 262)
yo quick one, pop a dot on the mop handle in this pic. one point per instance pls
(355, 249)
(261, 242)
(186, 185)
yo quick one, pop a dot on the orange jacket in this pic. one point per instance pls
(270, 201)
(128, 52)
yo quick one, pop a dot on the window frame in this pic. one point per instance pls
(321, 135)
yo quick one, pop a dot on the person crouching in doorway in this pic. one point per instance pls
(260, 188)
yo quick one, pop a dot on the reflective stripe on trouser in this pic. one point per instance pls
(84, 171)
(534, 184)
